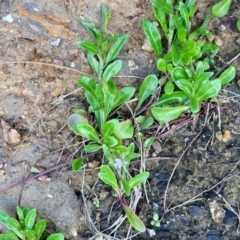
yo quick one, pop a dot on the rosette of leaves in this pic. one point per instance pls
(25, 227)
(186, 79)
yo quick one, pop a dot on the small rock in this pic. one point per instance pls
(56, 92)
(93, 164)
(10, 135)
(146, 46)
(217, 212)
(218, 41)
(151, 232)
(226, 136)
(73, 65)
(55, 42)
(8, 18)
(157, 146)
(131, 63)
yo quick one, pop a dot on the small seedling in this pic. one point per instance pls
(155, 220)
(25, 227)
(96, 203)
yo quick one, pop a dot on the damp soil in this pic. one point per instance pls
(39, 92)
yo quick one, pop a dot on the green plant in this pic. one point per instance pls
(186, 79)
(25, 227)
(155, 220)
(103, 97)
(221, 9)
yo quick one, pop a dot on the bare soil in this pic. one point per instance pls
(39, 92)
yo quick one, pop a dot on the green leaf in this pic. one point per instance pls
(133, 219)
(109, 126)
(13, 225)
(209, 47)
(107, 176)
(200, 31)
(186, 86)
(201, 79)
(162, 65)
(112, 70)
(109, 97)
(77, 164)
(221, 9)
(161, 17)
(147, 122)
(8, 236)
(153, 36)
(87, 131)
(182, 33)
(147, 88)
(124, 130)
(148, 142)
(178, 96)
(28, 234)
(93, 101)
(90, 148)
(238, 25)
(105, 16)
(108, 154)
(94, 63)
(26, 210)
(74, 120)
(56, 236)
(88, 84)
(167, 114)
(20, 214)
(208, 90)
(169, 87)
(228, 75)
(88, 46)
(110, 141)
(39, 228)
(138, 179)
(123, 95)
(163, 5)
(184, 13)
(179, 73)
(30, 219)
(176, 55)
(116, 48)
(97, 35)
(194, 105)
(126, 187)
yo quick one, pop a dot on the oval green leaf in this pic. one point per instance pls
(123, 95)
(56, 236)
(221, 9)
(124, 130)
(148, 87)
(88, 46)
(138, 179)
(167, 114)
(87, 131)
(208, 90)
(30, 219)
(134, 219)
(112, 70)
(153, 36)
(228, 75)
(116, 48)
(77, 164)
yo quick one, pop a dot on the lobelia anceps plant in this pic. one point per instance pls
(186, 79)
(103, 97)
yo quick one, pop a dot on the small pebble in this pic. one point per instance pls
(218, 41)
(93, 164)
(55, 42)
(218, 135)
(8, 18)
(226, 136)
(146, 46)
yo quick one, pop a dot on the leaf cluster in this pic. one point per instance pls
(25, 227)
(186, 79)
